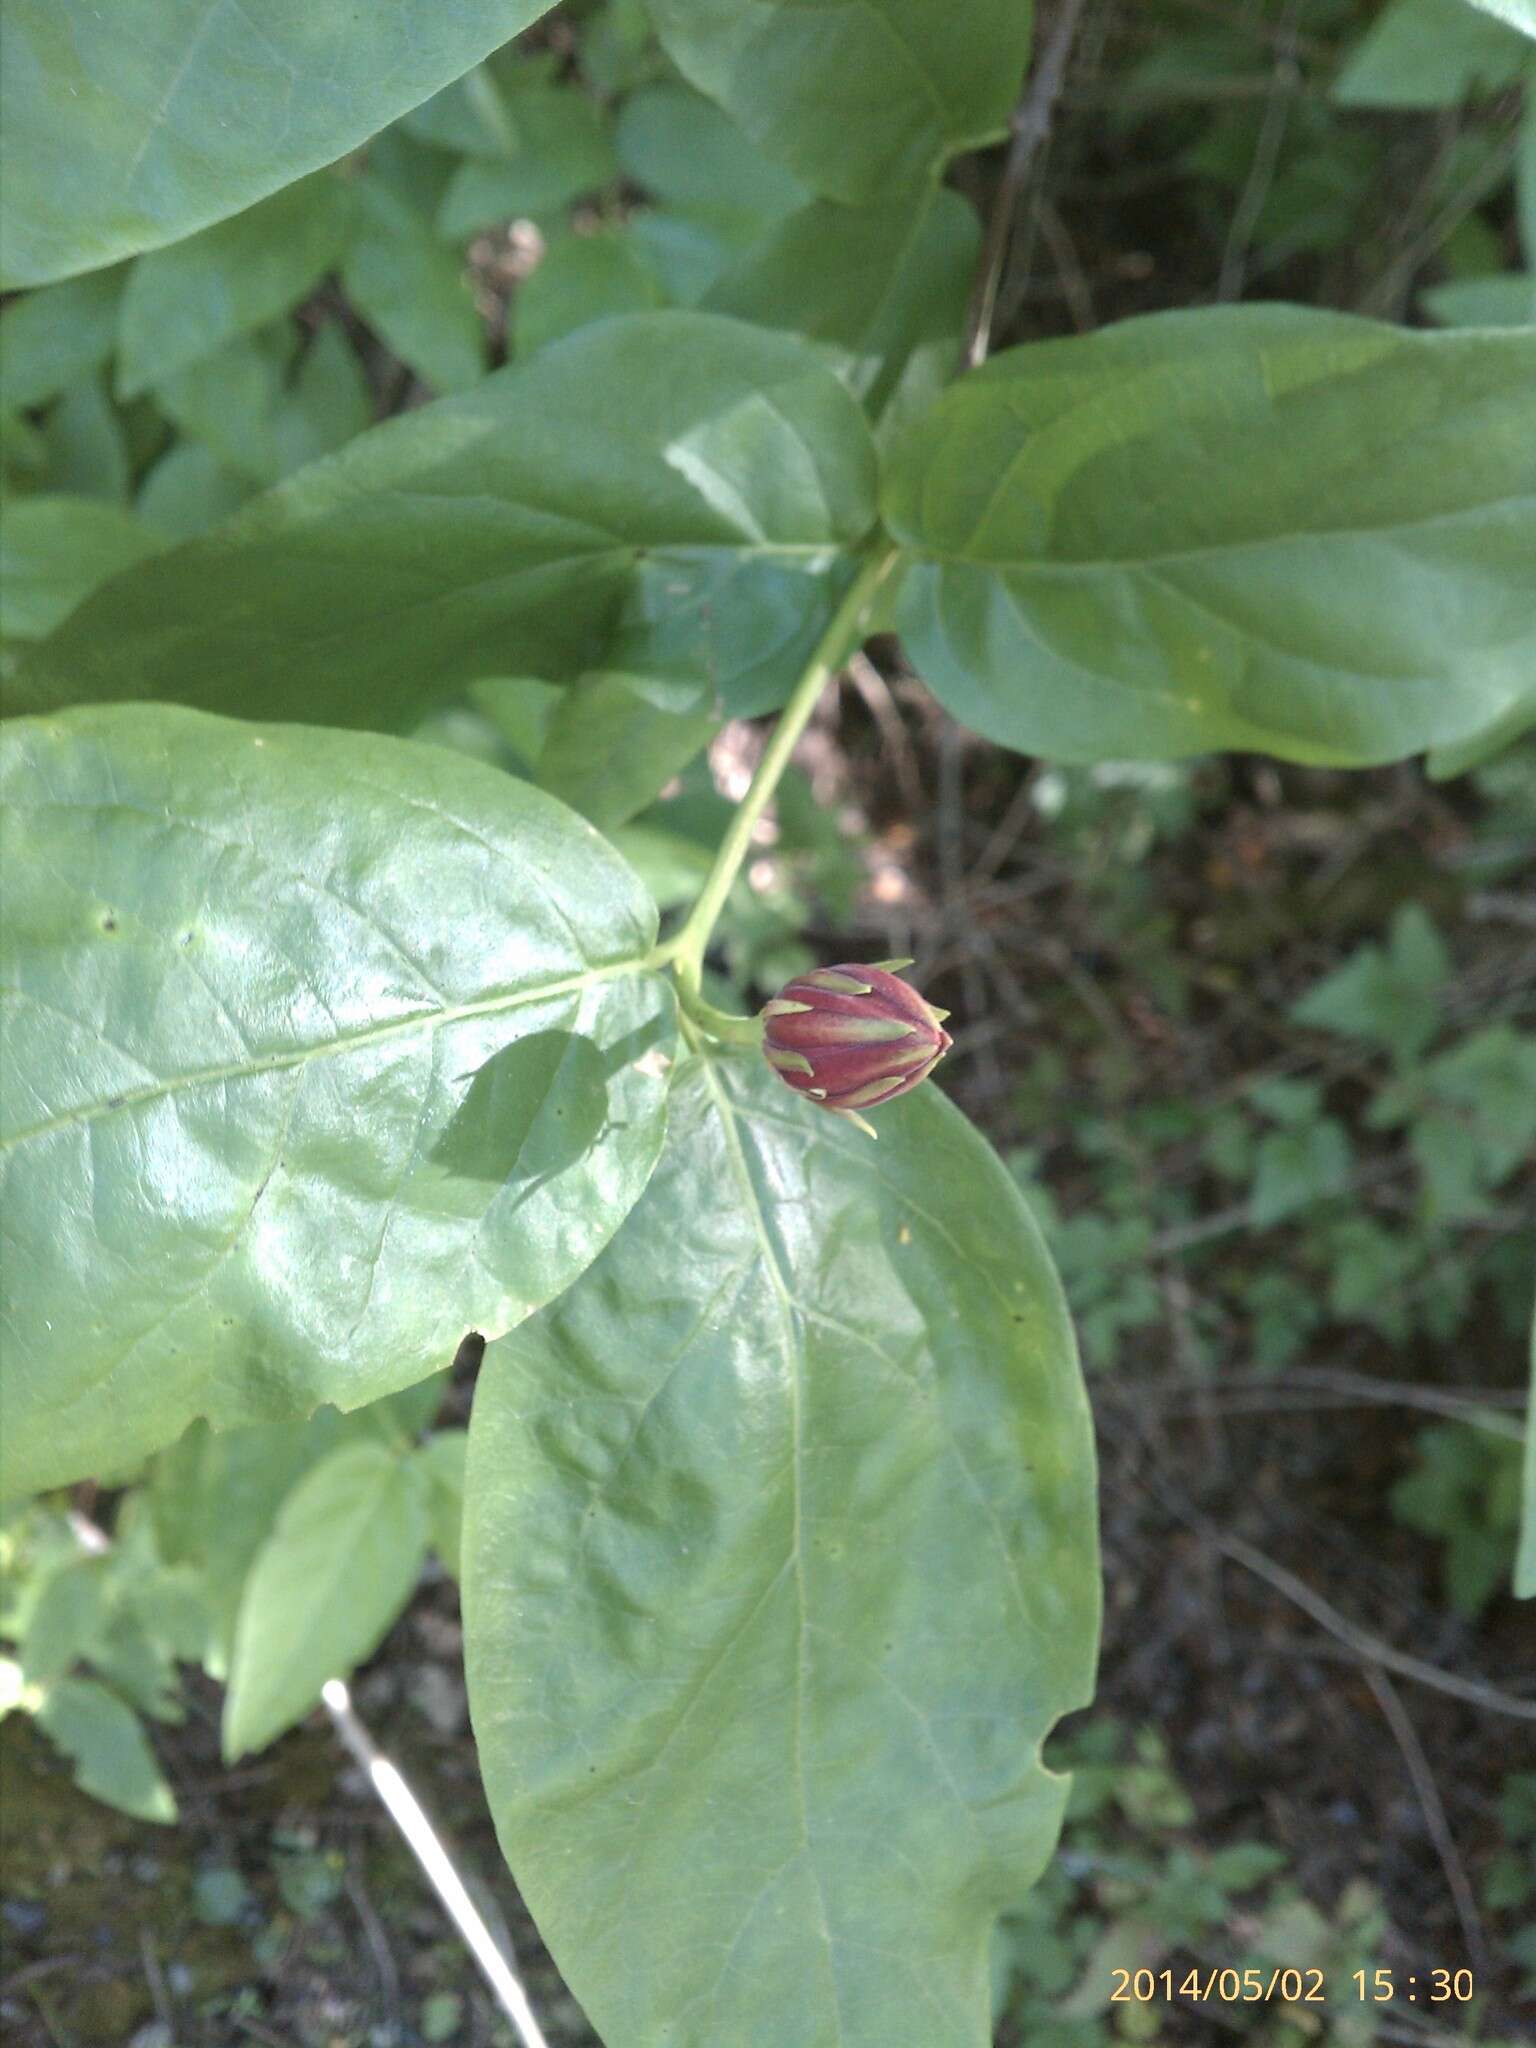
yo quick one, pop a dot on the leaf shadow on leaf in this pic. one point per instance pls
(536, 1107)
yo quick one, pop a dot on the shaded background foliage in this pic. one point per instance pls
(1256, 1038)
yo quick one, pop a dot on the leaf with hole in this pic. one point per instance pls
(779, 1565)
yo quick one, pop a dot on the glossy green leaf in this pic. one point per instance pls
(105, 1741)
(857, 101)
(578, 279)
(779, 1566)
(413, 292)
(129, 126)
(186, 301)
(49, 339)
(322, 1049)
(326, 1585)
(609, 748)
(1431, 53)
(53, 554)
(875, 282)
(1253, 527)
(594, 508)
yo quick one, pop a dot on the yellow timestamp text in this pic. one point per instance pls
(1287, 1985)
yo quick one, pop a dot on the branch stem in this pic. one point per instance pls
(844, 632)
(1030, 128)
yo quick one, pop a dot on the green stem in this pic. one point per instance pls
(842, 634)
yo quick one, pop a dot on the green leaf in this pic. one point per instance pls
(87, 451)
(876, 282)
(1295, 1168)
(214, 1497)
(673, 868)
(581, 278)
(686, 251)
(322, 1049)
(521, 709)
(106, 1743)
(1391, 995)
(857, 101)
(185, 302)
(440, 1460)
(413, 292)
(610, 749)
(65, 1627)
(261, 421)
(53, 554)
(326, 1586)
(1431, 53)
(595, 508)
(470, 117)
(779, 1566)
(695, 160)
(1505, 301)
(52, 338)
(130, 126)
(562, 150)
(189, 490)
(1250, 526)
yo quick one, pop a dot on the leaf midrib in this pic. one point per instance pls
(753, 1208)
(343, 1042)
(923, 552)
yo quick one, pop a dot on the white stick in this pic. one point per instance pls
(405, 1810)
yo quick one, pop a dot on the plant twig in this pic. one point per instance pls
(1261, 172)
(1428, 1793)
(406, 1812)
(1030, 126)
(1368, 1648)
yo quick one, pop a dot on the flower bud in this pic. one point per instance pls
(853, 1036)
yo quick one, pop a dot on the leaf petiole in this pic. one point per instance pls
(836, 643)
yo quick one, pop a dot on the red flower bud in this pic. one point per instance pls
(853, 1036)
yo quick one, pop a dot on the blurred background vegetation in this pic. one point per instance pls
(1259, 1042)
